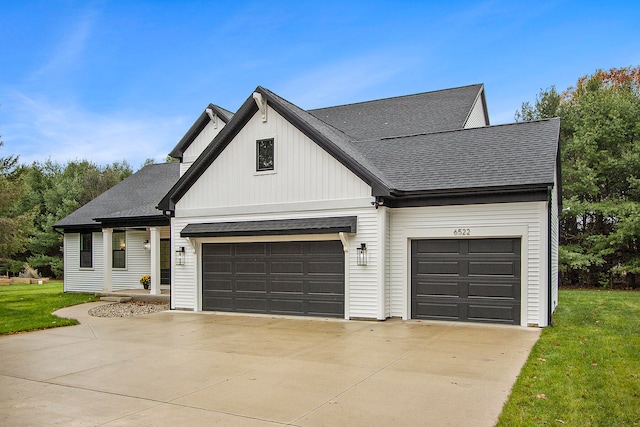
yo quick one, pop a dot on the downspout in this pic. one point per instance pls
(549, 257)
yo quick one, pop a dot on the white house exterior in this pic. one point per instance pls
(275, 204)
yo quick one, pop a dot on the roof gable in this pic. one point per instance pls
(435, 111)
(330, 139)
(197, 127)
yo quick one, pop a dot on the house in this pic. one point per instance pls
(411, 207)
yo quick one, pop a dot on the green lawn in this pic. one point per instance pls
(585, 370)
(29, 307)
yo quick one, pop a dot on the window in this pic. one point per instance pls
(119, 249)
(264, 155)
(86, 250)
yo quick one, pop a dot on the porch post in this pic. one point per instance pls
(107, 258)
(155, 260)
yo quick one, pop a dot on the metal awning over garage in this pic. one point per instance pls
(324, 225)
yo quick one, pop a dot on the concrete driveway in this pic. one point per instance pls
(177, 368)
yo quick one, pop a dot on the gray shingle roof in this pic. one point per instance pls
(411, 144)
(436, 111)
(493, 156)
(136, 196)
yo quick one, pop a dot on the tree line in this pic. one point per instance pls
(600, 155)
(34, 197)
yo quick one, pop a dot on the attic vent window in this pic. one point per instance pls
(264, 155)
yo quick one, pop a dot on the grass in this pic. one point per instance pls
(585, 370)
(30, 307)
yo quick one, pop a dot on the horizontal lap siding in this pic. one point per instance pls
(138, 262)
(468, 216)
(82, 280)
(363, 281)
(90, 280)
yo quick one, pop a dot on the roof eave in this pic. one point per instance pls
(195, 130)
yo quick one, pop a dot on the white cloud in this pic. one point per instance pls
(39, 129)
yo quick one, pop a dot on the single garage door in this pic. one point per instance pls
(296, 278)
(469, 280)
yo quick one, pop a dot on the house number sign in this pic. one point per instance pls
(462, 232)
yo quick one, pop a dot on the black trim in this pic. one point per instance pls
(196, 128)
(242, 116)
(549, 257)
(155, 221)
(468, 197)
(325, 225)
(80, 228)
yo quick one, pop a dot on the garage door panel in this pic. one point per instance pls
(493, 246)
(495, 268)
(289, 287)
(251, 286)
(438, 311)
(437, 288)
(330, 267)
(287, 248)
(435, 267)
(275, 277)
(329, 247)
(325, 308)
(251, 249)
(466, 279)
(435, 246)
(248, 304)
(219, 285)
(495, 290)
(491, 313)
(221, 303)
(287, 267)
(244, 267)
(335, 288)
(286, 306)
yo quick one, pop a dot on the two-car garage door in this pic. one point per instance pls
(474, 280)
(298, 278)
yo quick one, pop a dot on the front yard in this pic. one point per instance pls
(585, 370)
(29, 307)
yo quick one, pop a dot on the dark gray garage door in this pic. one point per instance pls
(299, 278)
(474, 280)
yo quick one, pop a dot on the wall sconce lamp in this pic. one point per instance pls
(362, 254)
(180, 255)
(122, 245)
(146, 245)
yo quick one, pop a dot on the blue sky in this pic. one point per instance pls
(113, 80)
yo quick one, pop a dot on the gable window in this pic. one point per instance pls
(86, 250)
(119, 248)
(264, 155)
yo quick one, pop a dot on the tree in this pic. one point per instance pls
(15, 224)
(600, 151)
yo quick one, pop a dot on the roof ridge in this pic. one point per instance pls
(457, 130)
(394, 97)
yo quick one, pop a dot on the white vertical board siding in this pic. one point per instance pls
(555, 242)
(303, 172)
(363, 300)
(477, 116)
(199, 144)
(138, 262)
(78, 279)
(529, 216)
